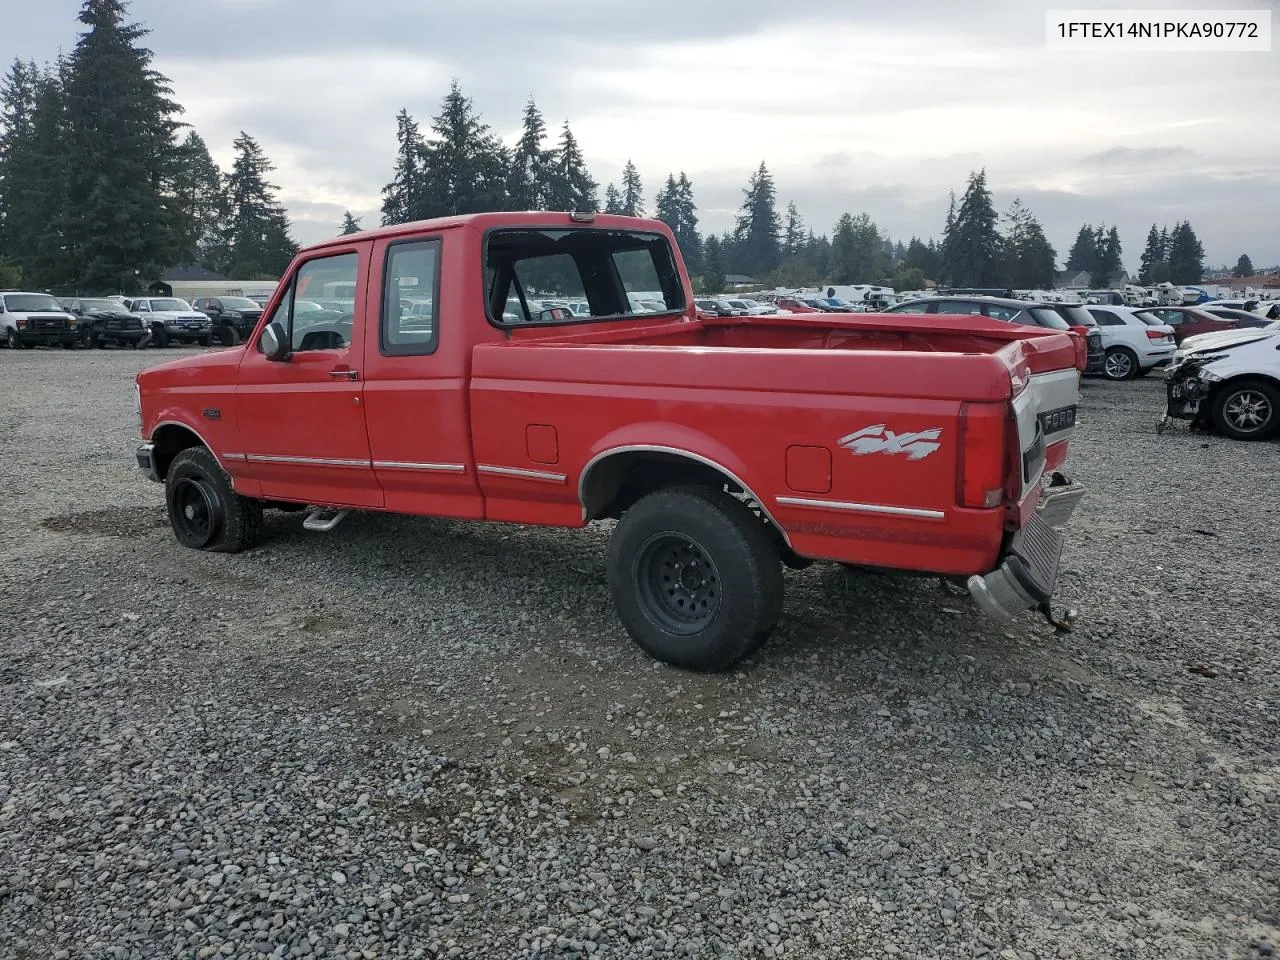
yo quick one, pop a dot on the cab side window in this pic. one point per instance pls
(410, 311)
(328, 283)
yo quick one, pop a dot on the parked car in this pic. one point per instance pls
(1028, 313)
(1082, 322)
(1231, 386)
(28, 319)
(760, 309)
(170, 320)
(108, 321)
(1189, 321)
(719, 307)
(1132, 347)
(1243, 318)
(793, 305)
(1222, 338)
(232, 318)
(844, 447)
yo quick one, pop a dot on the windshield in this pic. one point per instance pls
(170, 305)
(30, 302)
(239, 303)
(1048, 317)
(105, 306)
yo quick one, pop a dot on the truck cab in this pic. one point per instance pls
(435, 371)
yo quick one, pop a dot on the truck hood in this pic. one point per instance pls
(203, 368)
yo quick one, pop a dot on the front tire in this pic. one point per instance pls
(11, 338)
(229, 337)
(1121, 363)
(160, 338)
(695, 577)
(1248, 409)
(204, 510)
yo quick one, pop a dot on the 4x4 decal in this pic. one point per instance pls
(880, 439)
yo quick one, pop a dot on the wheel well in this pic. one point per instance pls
(170, 440)
(616, 482)
(1218, 388)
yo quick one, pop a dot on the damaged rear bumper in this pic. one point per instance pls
(1026, 578)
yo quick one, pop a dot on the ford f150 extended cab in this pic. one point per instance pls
(419, 380)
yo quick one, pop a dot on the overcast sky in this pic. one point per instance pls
(855, 105)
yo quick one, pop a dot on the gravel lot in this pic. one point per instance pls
(424, 738)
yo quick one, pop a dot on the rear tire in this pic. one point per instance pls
(1247, 409)
(1120, 363)
(695, 577)
(204, 510)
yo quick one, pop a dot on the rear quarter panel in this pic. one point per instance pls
(889, 501)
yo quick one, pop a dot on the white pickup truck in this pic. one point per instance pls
(172, 320)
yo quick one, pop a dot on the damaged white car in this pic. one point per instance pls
(1228, 381)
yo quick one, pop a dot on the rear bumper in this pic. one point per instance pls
(1025, 580)
(145, 455)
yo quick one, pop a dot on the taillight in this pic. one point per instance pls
(1156, 334)
(983, 463)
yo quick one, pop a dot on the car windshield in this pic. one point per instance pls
(1048, 317)
(170, 305)
(239, 303)
(30, 302)
(106, 306)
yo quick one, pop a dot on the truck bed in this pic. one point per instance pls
(768, 400)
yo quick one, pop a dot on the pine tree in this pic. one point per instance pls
(120, 231)
(687, 235)
(1186, 255)
(572, 188)
(712, 266)
(632, 191)
(975, 247)
(1029, 258)
(19, 206)
(403, 197)
(197, 200)
(1151, 268)
(350, 224)
(1110, 260)
(528, 180)
(757, 233)
(1243, 267)
(1084, 252)
(857, 251)
(466, 164)
(51, 258)
(922, 257)
(666, 205)
(945, 267)
(612, 200)
(793, 231)
(255, 242)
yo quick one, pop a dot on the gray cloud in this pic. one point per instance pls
(854, 104)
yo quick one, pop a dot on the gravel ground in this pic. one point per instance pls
(423, 738)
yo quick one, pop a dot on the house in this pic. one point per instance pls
(190, 282)
(738, 280)
(1072, 280)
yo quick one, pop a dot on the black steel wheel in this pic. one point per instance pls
(695, 577)
(678, 583)
(197, 515)
(204, 510)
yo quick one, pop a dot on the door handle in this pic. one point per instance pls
(346, 373)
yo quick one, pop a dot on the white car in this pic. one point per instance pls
(1232, 385)
(170, 319)
(1133, 347)
(1223, 338)
(30, 318)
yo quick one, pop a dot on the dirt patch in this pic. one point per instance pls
(123, 522)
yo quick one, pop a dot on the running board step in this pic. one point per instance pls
(323, 519)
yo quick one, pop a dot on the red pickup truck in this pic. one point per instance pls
(429, 369)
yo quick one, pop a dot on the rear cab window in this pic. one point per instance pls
(531, 276)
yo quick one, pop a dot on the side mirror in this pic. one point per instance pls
(554, 314)
(275, 342)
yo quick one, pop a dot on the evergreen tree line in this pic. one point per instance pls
(1173, 256)
(102, 186)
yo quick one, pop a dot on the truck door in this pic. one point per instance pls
(417, 354)
(302, 420)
